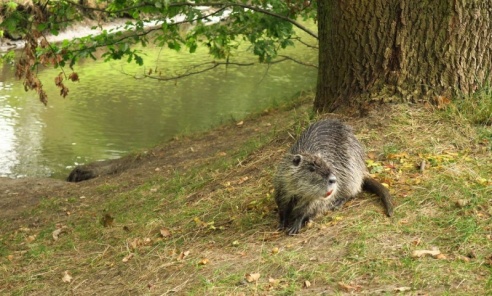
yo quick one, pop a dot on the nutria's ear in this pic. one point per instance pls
(297, 159)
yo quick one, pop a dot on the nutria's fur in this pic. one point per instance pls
(324, 169)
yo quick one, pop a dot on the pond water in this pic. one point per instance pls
(110, 113)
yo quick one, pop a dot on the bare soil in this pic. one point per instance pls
(18, 195)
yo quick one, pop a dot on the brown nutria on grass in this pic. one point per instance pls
(324, 169)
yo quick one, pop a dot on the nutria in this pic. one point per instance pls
(324, 169)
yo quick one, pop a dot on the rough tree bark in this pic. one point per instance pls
(414, 50)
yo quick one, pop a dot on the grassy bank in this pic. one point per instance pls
(197, 217)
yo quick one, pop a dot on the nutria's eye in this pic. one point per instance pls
(296, 160)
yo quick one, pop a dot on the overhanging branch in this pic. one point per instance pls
(213, 4)
(193, 70)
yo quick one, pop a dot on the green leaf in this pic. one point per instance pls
(42, 27)
(139, 60)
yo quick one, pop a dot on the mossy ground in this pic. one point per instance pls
(197, 217)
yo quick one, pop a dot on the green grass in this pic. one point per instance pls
(476, 109)
(221, 208)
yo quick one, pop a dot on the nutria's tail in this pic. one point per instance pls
(377, 188)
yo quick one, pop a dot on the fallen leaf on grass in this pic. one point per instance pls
(307, 284)
(463, 258)
(139, 242)
(203, 262)
(441, 102)
(239, 124)
(275, 250)
(440, 257)
(348, 288)
(461, 203)
(252, 277)
(58, 231)
(67, 278)
(199, 222)
(183, 255)
(402, 289)
(107, 220)
(242, 180)
(127, 257)
(31, 238)
(165, 232)
(421, 253)
(488, 261)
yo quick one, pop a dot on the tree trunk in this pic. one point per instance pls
(416, 50)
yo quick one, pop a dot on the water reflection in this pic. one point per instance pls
(107, 114)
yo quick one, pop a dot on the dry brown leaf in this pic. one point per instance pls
(127, 257)
(203, 262)
(402, 289)
(420, 253)
(242, 180)
(307, 284)
(30, 238)
(275, 250)
(183, 255)
(73, 76)
(24, 229)
(442, 102)
(273, 281)
(488, 261)
(348, 288)
(461, 203)
(165, 232)
(199, 222)
(67, 278)
(440, 257)
(240, 124)
(56, 233)
(252, 277)
(107, 220)
(416, 241)
(134, 243)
